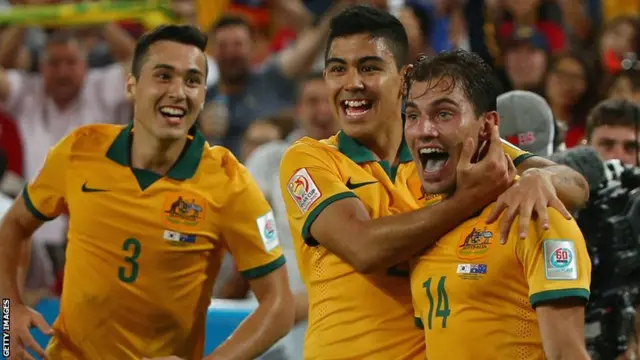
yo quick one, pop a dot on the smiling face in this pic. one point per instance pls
(364, 84)
(169, 93)
(439, 118)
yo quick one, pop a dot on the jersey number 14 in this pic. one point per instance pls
(442, 307)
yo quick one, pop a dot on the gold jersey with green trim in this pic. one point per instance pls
(351, 315)
(476, 299)
(144, 250)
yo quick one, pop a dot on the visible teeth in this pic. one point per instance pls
(356, 103)
(172, 111)
(431, 151)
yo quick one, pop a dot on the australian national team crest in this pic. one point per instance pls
(183, 210)
(475, 244)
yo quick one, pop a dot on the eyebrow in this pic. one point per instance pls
(361, 60)
(434, 103)
(169, 67)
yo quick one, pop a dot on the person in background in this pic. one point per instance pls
(569, 89)
(246, 95)
(526, 54)
(624, 84)
(259, 133)
(613, 130)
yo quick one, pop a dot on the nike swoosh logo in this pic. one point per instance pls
(352, 186)
(88, 189)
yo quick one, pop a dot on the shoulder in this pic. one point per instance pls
(308, 147)
(90, 138)
(220, 163)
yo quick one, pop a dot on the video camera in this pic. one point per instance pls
(611, 225)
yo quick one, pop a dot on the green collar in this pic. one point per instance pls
(360, 154)
(183, 169)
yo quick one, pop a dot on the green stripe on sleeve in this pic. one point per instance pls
(263, 270)
(306, 236)
(35, 212)
(550, 295)
(520, 159)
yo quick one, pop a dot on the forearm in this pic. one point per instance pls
(268, 323)
(120, 43)
(11, 41)
(394, 239)
(302, 307)
(571, 187)
(12, 244)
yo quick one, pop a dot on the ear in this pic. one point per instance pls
(406, 72)
(131, 87)
(489, 119)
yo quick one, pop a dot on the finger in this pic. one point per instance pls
(30, 343)
(511, 167)
(27, 356)
(496, 212)
(543, 215)
(42, 324)
(526, 211)
(505, 224)
(558, 205)
(468, 149)
(495, 151)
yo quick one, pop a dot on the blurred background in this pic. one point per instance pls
(63, 64)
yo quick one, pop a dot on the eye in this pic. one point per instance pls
(163, 76)
(444, 115)
(337, 69)
(412, 116)
(369, 68)
(193, 81)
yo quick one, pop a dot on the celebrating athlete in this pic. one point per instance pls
(152, 210)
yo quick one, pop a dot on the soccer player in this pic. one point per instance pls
(152, 209)
(524, 300)
(350, 198)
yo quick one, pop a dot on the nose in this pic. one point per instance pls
(176, 89)
(353, 81)
(421, 128)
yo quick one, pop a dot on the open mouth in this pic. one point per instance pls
(173, 114)
(433, 159)
(356, 108)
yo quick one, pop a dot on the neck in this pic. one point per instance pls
(62, 104)
(386, 143)
(152, 154)
(228, 87)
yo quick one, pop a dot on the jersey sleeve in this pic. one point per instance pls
(310, 181)
(45, 194)
(248, 227)
(516, 154)
(556, 261)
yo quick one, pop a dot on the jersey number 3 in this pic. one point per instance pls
(129, 273)
(442, 307)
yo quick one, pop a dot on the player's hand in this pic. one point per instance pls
(164, 358)
(480, 183)
(23, 318)
(528, 197)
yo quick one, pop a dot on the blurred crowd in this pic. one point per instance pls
(265, 84)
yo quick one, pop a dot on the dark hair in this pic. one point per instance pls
(464, 69)
(632, 74)
(362, 19)
(229, 20)
(613, 112)
(580, 109)
(183, 34)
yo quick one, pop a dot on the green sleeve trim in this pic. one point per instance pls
(306, 236)
(35, 212)
(520, 159)
(263, 270)
(418, 323)
(550, 295)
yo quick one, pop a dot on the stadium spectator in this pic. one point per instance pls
(613, 129)
(624, 84)
(526, 54)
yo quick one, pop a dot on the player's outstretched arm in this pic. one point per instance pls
(322, 208)
(272, 319)
(562, 329)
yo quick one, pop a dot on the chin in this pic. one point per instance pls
(439, 187)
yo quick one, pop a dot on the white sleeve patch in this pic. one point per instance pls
(303, 190)
(268, 232)
(560, 260)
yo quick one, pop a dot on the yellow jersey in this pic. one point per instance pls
(351, 315)
(476, 298)
(143, 249)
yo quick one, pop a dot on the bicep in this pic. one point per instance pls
(533, 162)
(275, 284)
(561, 326)
(21, 217)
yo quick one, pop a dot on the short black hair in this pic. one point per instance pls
(464, 69)
(229, 20)
(613, 112)
(362, 19)
(183, 34)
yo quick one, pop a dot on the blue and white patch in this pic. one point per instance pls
(268, 232)
(560, 260)
(179, 237)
